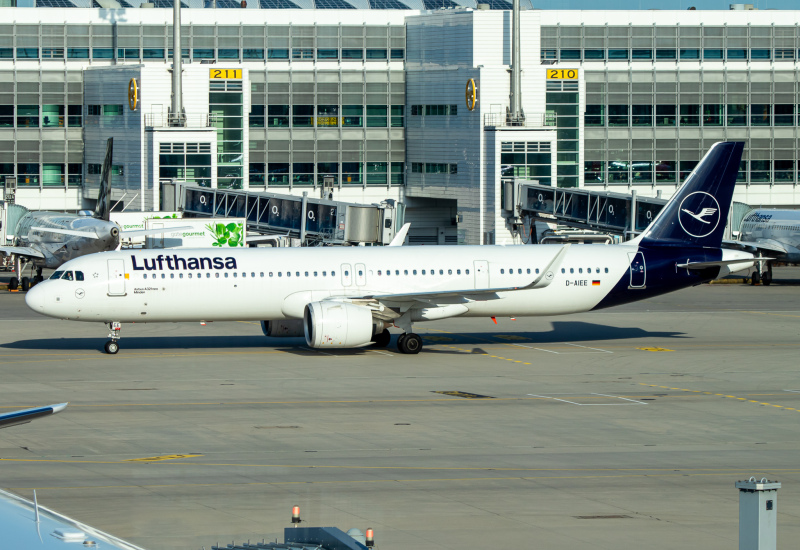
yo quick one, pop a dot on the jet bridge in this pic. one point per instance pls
(312, 220)
(614, 213)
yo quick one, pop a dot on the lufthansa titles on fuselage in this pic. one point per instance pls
(176, 263)
(758, 217)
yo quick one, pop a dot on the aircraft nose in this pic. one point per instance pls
(35, 298)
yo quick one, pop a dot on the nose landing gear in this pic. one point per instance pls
(112, 347)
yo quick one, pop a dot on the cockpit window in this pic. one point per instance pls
(67, 276)
(79, 275)
(57, 275)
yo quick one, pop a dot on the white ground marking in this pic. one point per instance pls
(592, 404)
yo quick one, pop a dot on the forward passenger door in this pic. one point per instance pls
(116, 277)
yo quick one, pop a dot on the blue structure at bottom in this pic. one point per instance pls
(304, 538)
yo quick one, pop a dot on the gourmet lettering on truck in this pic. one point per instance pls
(199, 233)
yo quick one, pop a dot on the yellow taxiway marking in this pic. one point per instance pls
(655, 349)
(722, 395)
(160, 458)
(470, 352)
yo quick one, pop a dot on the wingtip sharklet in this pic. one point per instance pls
(400, 236)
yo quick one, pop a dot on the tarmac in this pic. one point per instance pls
(618, 429)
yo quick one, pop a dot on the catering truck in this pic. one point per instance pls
(198, 233)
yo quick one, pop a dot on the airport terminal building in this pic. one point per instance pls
(393, 99)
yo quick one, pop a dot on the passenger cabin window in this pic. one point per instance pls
(502, 272)
(468, 272)
(606, 270)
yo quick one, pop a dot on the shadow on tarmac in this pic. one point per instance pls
(562, 331)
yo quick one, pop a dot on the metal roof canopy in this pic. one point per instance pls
(326, 221)
(615, 213)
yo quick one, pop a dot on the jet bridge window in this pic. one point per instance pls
(57, 275)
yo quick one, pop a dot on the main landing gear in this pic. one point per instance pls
(763, 277)
(409, 343)
(112, 347)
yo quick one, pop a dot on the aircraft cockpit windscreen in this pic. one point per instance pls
(68, 275)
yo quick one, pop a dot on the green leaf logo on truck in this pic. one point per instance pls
(230, 235)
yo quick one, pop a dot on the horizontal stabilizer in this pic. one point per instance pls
(147, 232)
(26, 415)
(721, 263)
(71, 232)
(26, 251)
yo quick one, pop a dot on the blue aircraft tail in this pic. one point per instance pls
(698, 212)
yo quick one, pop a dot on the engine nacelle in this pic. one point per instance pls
(286, 328)
(338, 325)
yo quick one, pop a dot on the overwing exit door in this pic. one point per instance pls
(481, 273)
(361, 275)
(347, 275)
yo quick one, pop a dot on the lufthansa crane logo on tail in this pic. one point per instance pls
(699, 214)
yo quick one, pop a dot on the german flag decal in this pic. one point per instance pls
(595, 283)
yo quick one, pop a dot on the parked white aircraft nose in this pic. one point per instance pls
(35, 298)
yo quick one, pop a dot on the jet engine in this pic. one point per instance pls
(339, 325)
(286, 328)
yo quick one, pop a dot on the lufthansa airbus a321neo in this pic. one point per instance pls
(347, 297)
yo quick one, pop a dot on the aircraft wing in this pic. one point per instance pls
(21, 251)
(28, 524)
(759, 244)
(71, 232)
(703, 265)
(26, 415)
(543, 280)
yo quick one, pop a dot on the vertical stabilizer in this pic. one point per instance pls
(698, 212)
(103, 209)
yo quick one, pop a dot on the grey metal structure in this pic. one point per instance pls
(316, 221)
(516, 117)
(758, 513)
(615, 213)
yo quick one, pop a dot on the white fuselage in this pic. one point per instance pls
(259, 284)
